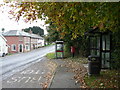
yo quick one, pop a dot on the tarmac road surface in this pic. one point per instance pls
(17, 62)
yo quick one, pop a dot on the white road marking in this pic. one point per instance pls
(31, 72)
(37, 72)
(43, 72)
(39, 79)
(33, 80)
(28, 80)
(14, 80)
(21, 79)
(23, 72)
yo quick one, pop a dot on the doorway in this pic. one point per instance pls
(20, 47)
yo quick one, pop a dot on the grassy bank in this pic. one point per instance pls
(107, 79)
(82, 60)
(52, 55)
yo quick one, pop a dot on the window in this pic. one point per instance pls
(20, 38)
(27, 47)
(13, 47)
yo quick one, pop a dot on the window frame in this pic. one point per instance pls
(12, 47)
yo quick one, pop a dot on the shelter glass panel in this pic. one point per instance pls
(108, 42)
(105, 60)
(59, 47)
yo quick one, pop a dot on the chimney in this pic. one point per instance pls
(22, 29)
(3, 30)
(30, 31)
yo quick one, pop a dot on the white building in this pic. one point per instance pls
(3, 45)
(39, 40)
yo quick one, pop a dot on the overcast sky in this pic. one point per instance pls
(10, 24)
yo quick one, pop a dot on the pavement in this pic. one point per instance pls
(44, 74)
(62, 77)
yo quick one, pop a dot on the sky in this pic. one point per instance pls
(11, 24)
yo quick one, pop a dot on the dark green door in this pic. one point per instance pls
(20, 48)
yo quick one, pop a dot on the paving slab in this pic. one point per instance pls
(63, 78)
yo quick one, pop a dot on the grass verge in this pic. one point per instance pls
(52, 55)
(9, 54)
(82, 60)
(107, 79)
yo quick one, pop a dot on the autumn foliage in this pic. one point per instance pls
(70, 17)
(72, 20)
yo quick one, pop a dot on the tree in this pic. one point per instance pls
(35, 30)
(53, 34)
(73, 18)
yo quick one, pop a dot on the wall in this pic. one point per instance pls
(14, 40)
(27, 45)
(3, 47)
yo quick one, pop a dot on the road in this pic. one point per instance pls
(17, 62)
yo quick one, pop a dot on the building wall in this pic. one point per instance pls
(40, 42)
(27, 45)
(14, 40)
(33, 43)
(36, 43)
(3, 46)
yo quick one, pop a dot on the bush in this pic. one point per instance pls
(81, 47)
(115, 64)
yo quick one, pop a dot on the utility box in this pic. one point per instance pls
(59, 49)
(94, 65)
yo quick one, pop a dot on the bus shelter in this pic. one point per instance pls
(99, 50)
(100, 45)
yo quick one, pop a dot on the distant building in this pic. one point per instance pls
(36, 41)
(20, 41)
(3, 46)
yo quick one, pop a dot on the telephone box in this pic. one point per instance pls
(59, 49)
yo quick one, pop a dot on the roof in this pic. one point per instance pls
(97, 30)
(21, 33)
(2, 37)
(35, 36)
(93, 30)
(16, 33)
(59, 42)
